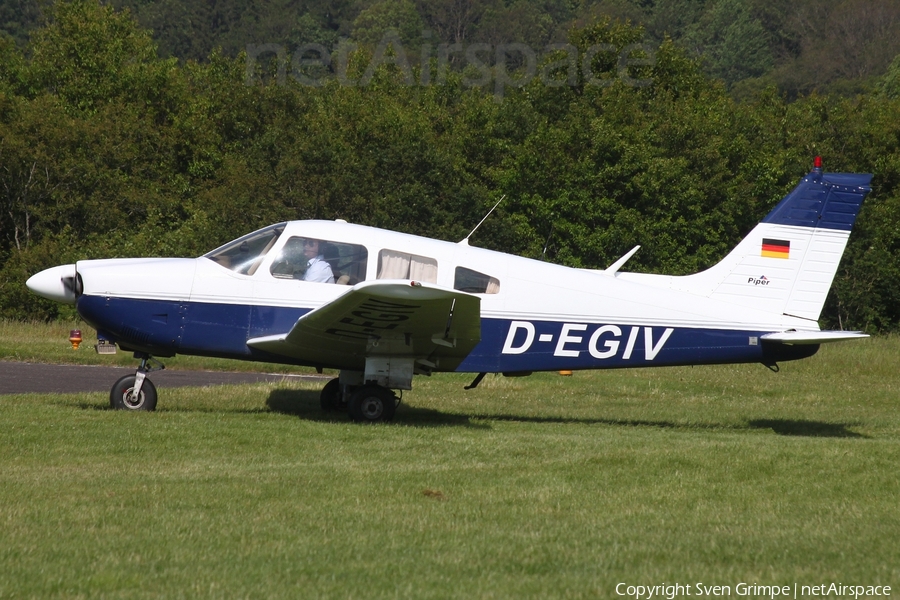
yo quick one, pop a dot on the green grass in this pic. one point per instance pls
(49, 343)
(544, 487)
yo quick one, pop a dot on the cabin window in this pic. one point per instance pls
(467, 280)
(322, 261)
(393, 264)
(245, 254)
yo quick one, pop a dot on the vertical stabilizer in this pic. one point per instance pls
(787, 263)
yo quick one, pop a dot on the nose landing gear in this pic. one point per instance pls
(136, 392)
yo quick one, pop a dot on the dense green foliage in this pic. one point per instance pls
(106, 149)
(797, 45)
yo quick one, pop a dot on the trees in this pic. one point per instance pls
(734, 42)
(108, 150)
(399, 16)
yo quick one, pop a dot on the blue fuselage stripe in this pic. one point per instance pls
(165, 328)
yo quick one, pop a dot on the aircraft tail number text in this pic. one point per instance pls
(574, 338)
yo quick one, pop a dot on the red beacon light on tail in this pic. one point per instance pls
(817, 163)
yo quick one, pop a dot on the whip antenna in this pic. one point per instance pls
(465, 240)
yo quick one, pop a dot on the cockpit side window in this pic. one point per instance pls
(245, 254)
(323, 261)
(467, 280)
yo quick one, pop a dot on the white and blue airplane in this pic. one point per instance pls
(381, 306)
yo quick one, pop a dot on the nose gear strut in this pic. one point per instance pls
(136, 392)
(142, 371)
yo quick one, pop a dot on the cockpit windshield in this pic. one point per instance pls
(245, 254)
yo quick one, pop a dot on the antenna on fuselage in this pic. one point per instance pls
(612, 269)
(465, 240)
(547, 243)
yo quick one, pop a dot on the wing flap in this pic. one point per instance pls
(436, 325)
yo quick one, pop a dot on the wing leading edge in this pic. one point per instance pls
(435, 326)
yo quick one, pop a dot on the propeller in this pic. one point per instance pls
(62, 284)
(73, 284)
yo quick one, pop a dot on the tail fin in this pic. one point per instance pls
(787, 263)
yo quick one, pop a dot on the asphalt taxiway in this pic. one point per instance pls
(23, 378)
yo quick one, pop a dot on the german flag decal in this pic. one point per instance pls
(776, 248)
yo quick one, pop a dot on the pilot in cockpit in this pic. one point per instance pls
(317, 268)
(305, 259)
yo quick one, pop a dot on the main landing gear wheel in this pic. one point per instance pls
(372, 404)
(332, 397)
(121, 397)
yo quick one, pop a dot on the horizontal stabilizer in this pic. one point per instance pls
(812, 337)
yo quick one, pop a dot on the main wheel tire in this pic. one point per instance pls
(331, 397)
(120, 395)
(372, 404)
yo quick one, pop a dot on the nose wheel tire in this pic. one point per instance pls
(372, 404)
(121, 397)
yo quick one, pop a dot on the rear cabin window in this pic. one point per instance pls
(393, 264)
(467, 280)
(322, 261)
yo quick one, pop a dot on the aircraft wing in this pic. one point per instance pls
(794, 337)
(436, 326)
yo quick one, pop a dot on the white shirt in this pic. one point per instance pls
(318, 270)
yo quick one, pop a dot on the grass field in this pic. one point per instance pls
(48, 343)
(540, 487)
